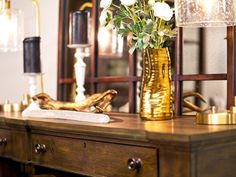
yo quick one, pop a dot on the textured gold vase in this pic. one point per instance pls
(155, 99)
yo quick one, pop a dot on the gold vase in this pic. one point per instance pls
(155, 99)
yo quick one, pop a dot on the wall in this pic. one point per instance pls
(215, 62)
(13, 83)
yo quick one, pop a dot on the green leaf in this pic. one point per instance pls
(131, 50)
(117, 21)
(140, 43)
(124, 31)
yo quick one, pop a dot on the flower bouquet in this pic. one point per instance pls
(148, 23)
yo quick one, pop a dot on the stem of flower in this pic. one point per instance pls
(151, 12)
(144, 6)
(159, 26)
(129, 12)
(135, 15)
(118, 7)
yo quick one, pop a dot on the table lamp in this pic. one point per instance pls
(78, 39)
(12, 27)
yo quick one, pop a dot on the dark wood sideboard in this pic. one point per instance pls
(125, 147)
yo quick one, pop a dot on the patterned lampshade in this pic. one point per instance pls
(205, 13)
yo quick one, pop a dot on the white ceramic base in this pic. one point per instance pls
(33, 110)
(80, 67)
(35, 83)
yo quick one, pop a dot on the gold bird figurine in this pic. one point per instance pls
(94, 103)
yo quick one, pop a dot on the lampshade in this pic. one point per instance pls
(205, 13)
(11, 29)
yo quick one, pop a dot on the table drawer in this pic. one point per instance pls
(94, 158)
(5, 143)
(20, 145)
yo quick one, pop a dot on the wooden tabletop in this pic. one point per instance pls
(128, 126)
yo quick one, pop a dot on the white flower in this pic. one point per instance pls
(151, 2)
(161, 33)
(122, 26)
(128, 2)
(163, 11)
(105, 3)
(103, 17)
(146, 38)
(149, 21)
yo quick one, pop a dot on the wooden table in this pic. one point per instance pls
(125, 147)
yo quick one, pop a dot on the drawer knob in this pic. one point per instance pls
(3, 141)
(40, 148)
(134, 164)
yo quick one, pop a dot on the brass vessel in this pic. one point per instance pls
(155, 99)
(213, 117)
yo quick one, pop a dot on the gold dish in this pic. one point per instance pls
(213, 117)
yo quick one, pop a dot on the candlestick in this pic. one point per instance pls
(32, 64)
(78, 39)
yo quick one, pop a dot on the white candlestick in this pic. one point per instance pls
(35, 84)
(32, 86)
(80, 67)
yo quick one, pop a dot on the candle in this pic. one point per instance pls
(78, 28)
(31, 51)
